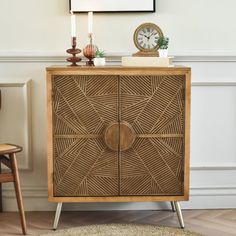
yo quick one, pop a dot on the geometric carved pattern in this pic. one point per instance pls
(154, 106)
(83, 106)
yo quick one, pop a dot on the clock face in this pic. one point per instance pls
(146, 37)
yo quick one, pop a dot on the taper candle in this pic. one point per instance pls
(90, 22)
(73, 27)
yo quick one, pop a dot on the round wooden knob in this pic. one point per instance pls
(119, 136)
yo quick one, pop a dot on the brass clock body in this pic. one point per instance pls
(146, 39)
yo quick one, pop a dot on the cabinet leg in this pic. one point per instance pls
(57, 215)
(179, 214)
(172, 206)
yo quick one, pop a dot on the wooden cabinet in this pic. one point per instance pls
(118, 134)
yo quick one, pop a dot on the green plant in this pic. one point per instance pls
(163, 42)
(100, 54)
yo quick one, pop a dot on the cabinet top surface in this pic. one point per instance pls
(115, 69)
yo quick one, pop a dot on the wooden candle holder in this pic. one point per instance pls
(74, 59)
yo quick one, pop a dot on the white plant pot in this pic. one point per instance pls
(163, 52)
(99, 61)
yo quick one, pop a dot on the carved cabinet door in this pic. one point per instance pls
(82, 107)
(154, 108)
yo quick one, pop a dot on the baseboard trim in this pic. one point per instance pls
(201, 197)
(41, 192)
(206, 197)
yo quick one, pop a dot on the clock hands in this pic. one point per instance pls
(145, 36)
(151, 34)
(148, 36)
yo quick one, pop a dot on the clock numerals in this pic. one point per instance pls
(147, 38)
(156, 40)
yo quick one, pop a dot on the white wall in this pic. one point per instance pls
(202, 27)
(35, 34)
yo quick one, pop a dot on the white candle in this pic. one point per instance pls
(90, 22)
(73, 27)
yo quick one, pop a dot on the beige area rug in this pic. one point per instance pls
(122, 230)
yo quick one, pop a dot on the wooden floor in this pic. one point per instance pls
(207, 222)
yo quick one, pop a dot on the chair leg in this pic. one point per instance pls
(0, 190)
(18, 191)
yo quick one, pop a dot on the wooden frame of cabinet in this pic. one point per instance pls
(121, 71)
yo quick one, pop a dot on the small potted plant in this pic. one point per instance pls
(163, 43)
(99, 59)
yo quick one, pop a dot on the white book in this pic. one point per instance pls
(147, 61)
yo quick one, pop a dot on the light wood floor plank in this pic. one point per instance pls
(207, 222)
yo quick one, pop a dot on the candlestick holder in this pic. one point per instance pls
(74, 59)
(89, 51)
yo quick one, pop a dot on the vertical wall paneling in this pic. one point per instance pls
(15, 118)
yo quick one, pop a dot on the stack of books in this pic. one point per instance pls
(147, 61)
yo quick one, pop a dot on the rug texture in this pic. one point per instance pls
(122, 230)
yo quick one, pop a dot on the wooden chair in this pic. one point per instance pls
(8, 158)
